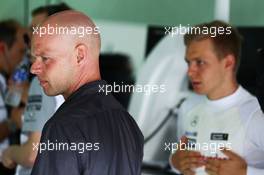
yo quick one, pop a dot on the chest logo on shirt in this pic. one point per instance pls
(189, 133)
(34, 104)
(219, 136)
(194, 121)
(35, 99)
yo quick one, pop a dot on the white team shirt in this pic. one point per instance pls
(235, 121)
(39, 109)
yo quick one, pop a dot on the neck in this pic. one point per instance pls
(80, 83)
(224, 90)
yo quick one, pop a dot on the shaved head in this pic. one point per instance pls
(71, 41)
(73, 22)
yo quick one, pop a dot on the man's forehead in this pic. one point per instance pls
(39, 45)
(200, 45)
(37, 50)
(48, 45)
(193, 52)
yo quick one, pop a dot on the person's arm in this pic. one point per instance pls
(4, 130)
(24, 154)
(257, 139)
(184, 160)
(10, 125)
(7, 127)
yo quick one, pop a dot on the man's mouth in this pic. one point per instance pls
(196, 83)
(42, 82)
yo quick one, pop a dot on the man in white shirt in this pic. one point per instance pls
(39, 109)
(225, 116)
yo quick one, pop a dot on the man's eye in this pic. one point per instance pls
(200, 62)
(32, 59)
(45, 58)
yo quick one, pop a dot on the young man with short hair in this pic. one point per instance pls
(224, 114)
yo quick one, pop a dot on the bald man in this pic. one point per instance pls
(91, 133)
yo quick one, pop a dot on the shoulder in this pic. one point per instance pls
(89, 116)
(90, 105)
(258, 120)
(255, 129)
(104, 124)
(248, 103)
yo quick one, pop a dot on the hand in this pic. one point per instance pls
(185, 161)
(15, 116)
(233, 165)
(6, 159)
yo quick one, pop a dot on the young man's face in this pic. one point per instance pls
(207, 73)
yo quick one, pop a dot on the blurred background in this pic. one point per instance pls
(136, 51)
(121, 21)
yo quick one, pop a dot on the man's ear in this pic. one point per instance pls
(230, 61)
(81, 52)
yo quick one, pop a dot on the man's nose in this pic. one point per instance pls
(191, 70)
(36, 67)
